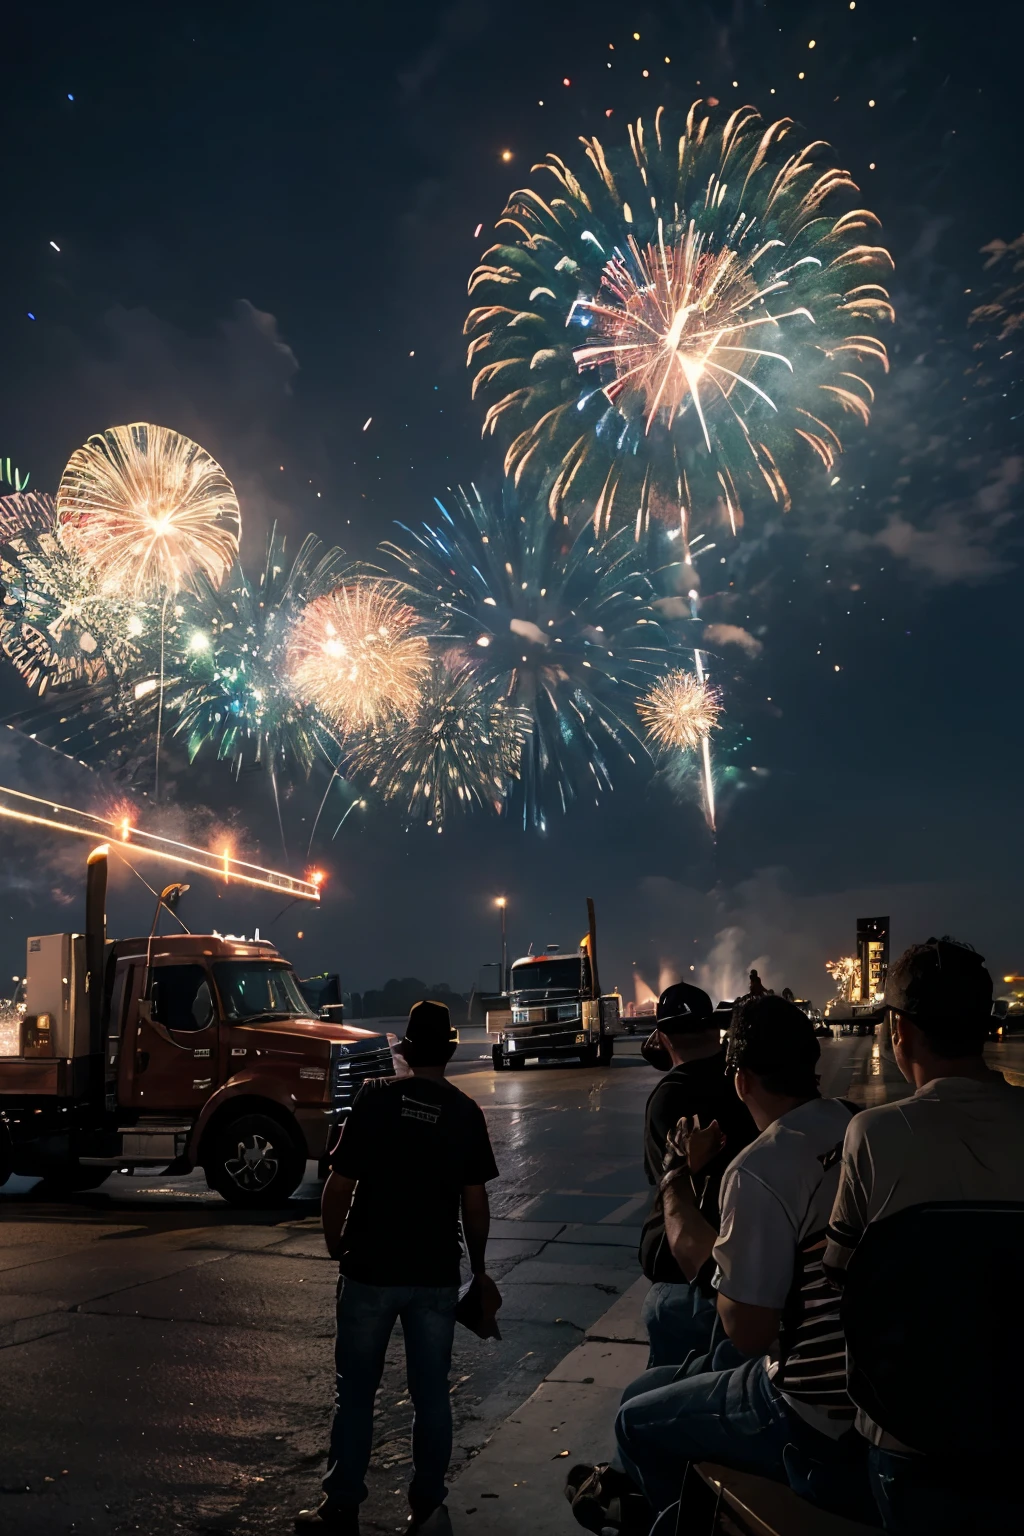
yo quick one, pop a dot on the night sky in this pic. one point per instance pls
(265, 219)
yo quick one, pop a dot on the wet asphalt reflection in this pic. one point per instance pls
(167, 1360)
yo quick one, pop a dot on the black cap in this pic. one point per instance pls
(430, 1024)
(939, 982)
(684, 1010)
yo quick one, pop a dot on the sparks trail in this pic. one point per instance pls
(16, 805)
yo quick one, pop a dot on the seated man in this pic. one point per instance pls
(678, 1315)
(773, 1300)
(959, 1138)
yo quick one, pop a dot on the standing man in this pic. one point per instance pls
(679, 1314)
(414, 1152)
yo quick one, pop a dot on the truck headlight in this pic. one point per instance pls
(511, 1045)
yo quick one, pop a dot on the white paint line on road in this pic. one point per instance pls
(620, 1216)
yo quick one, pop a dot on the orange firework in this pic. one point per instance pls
(149, 510)
(359, 656)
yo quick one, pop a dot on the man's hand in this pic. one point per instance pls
(689, 1147)
(490, 1296)
(334, 1208)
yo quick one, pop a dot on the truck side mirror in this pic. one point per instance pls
(202, 1006)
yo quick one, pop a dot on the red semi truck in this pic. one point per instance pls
(172, 1053)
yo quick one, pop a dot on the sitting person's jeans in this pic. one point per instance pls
(734, 1417)
(366, 1316)
(679, 1319)
(916, 1498)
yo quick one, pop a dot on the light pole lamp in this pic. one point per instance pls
(501, 903)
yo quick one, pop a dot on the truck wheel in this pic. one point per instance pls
(74, 1179)
(254, 1162)
(497, 1058)
(605, 1052)
(588, 1056)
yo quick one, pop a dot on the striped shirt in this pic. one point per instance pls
(777, 1196)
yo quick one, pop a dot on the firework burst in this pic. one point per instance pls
(149, 510)
(58, 626)
(359, 655)
(680, 711)
(682, 321)
(557, 624)
(460, 750)
(230, 689)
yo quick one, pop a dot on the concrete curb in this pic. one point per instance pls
(516, 1483)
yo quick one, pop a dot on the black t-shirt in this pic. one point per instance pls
(697, 1088)
(412, 1143)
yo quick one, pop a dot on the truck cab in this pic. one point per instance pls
(555, 1012)
(203, 1052)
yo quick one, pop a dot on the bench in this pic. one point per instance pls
(719, 1502)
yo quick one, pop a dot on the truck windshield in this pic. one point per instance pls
(260, 989)
(556, 975)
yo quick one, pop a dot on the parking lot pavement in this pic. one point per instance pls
(167, 1361)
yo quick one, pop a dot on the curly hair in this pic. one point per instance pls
(770, 1037)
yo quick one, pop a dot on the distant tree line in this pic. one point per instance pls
(396, 997)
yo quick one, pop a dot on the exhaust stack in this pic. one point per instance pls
(96, 941)
(592, 935)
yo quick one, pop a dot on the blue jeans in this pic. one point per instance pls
(733, 1417)
(366, 1316)
(916, 1499)
(679, 1320)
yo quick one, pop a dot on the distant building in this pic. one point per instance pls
(873, 955)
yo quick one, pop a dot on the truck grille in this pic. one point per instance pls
(349, 1073)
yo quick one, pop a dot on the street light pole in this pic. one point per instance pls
(501, 904)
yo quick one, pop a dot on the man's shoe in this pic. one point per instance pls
(336, 1519)
(436, 1523)
(604, 1499)
(430, 1519)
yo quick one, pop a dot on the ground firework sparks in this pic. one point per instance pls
(680, 711)
(149, 510)
(686, 318)
(843, 972)
(359, 655)
(460, 750)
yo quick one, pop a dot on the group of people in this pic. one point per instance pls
(832, 1288)
(769, 1199)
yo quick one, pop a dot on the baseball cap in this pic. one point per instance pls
(430, 1024)
(939, 981)
(684, 1010)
